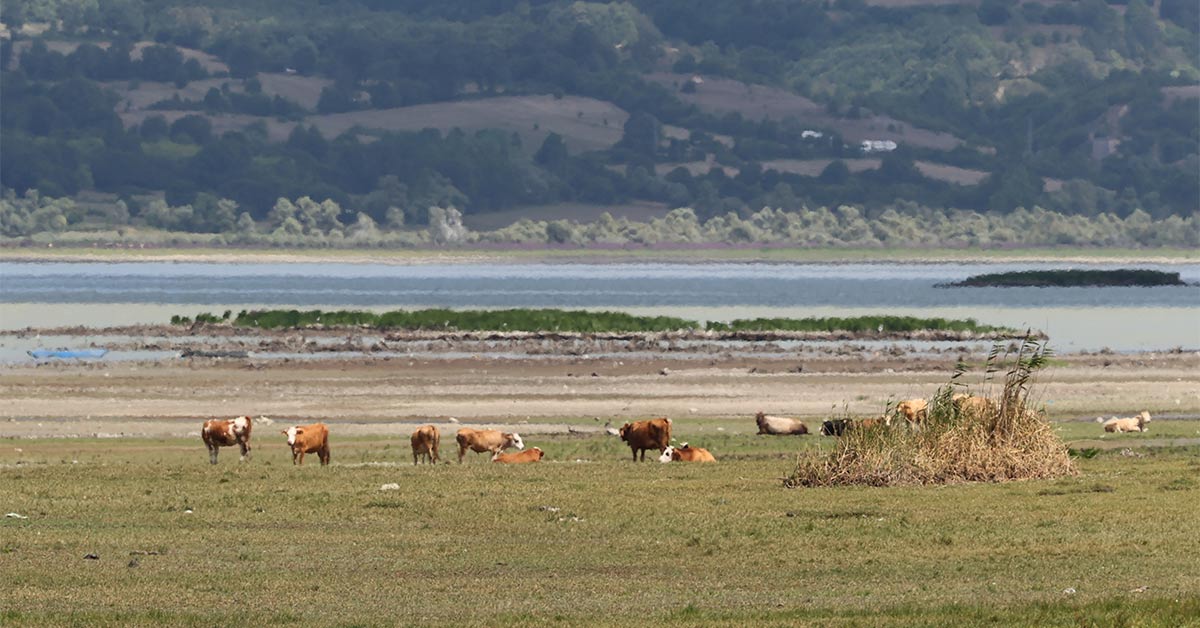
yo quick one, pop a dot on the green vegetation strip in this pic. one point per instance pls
(857, 324)
(541, 320)
(1061, 278)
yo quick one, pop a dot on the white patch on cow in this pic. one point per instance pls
(666, 454)
(517, 442)
(291, 433)
(240, 424)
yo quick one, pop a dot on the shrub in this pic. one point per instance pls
(1008, 440)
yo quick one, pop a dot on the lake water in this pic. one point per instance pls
(98, 294)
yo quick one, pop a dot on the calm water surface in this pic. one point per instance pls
(1124, 319)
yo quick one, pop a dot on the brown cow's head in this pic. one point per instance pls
(624, 431)
(291, 433)
(514, 440)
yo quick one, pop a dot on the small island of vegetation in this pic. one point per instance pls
(1063, 278)
(551, 320)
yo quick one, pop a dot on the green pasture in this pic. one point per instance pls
(586, 538)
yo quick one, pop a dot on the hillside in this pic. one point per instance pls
(1081, 108)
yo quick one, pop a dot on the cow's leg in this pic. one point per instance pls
(414, 457)
(324, 455)
(462, 451)
(212, 454)
(298, 457)
(245, 450)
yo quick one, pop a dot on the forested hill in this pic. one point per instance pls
(389, 108)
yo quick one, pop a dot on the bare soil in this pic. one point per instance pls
(546, 394)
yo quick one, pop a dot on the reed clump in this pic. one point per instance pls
(964, 438)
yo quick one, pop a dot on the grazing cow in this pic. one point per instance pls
(643, 435)
(779, 426)
(480, 441)
(425, 442)
(1133, 424)
(914, 411)
(686, 453)
(218, 433)
(533, 454)
(307, 439)
(834, 427)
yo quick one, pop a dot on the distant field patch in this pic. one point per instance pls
(951, 174)
(759, 102)
(584, 123)
(814, 167)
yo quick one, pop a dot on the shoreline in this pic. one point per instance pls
(413, 257)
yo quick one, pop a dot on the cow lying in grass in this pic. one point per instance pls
(308, 439)
(779, 426)
(686, 453)
(479, 441)
(533, 454)
(1132, 424)
(217, 433)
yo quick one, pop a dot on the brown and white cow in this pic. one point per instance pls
(480, 441)
(643, 435)
(533, 454)
(308, 439)
(218, 433)
(425, 442)
(779, 426)
(686, 453)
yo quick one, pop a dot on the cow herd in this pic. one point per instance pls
(641, 436)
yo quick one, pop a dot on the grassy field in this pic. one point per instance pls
(586, 538)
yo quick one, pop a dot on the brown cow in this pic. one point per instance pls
(529, 455)
(307, 439)
(914, 411)
(866, 424)
(480, 441)
(1133, 424)
(425, 441)
(217, 433)
(685, 453)
(968, 404)
(779, 426)
(643, 435)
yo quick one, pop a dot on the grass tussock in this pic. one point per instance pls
(964, 438)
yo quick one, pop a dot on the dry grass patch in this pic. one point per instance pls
(963, 439)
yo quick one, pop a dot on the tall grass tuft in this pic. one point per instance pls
(964, 438)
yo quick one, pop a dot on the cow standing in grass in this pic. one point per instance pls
(425, 441)
(217, 433)
(479, 441)
(643, 435)
(308, 439)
